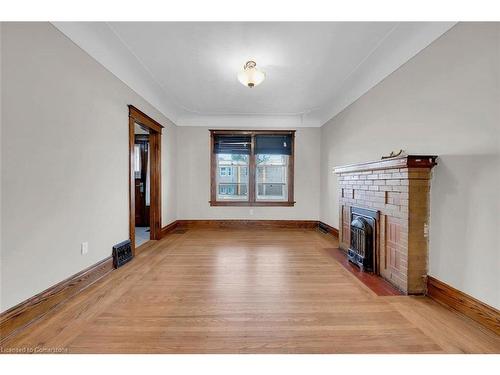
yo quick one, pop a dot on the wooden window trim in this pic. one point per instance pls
(252, 202)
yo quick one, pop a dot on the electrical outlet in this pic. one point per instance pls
(84, 248)
(251, 211)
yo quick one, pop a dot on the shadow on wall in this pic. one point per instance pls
(465, 223)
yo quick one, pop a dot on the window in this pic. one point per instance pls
(225, 171)
(232, 179)
(271, 177)
(252, 168)
(222, 171)
(137, 161)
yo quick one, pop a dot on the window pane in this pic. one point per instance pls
(232, 179)
(137, 161)
(271, 177)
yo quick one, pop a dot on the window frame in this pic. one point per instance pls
(252, 170)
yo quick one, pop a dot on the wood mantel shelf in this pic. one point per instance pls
(410, 161)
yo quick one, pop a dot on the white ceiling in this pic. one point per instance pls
(313, 70)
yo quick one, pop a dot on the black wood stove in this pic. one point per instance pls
(362, 246)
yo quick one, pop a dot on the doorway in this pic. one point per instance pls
(142, 184)
(145, 178)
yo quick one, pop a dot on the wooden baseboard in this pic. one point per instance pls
(261, 224)
(169, 228)
(284, 224)
(21, 315)
(480, 312)
(331, 230)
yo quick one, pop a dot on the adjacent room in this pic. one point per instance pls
(250, 187)
(142, 187)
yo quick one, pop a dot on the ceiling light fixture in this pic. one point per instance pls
(250, 76)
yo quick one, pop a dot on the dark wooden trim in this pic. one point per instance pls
(251, 202)
(213, 178)
(252, 177)
(155, 128)
(18, 317)
(482, 313)
(291, 171)
(131, 182)
(249, 132)
(261, 224)
(143, 119)
(331, 230)
(227, 223)
(410, 161)
(169, 228)
(155, 185)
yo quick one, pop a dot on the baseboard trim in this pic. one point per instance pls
(261, 224)
(482, 313)
(20, 316)
(230, 223)
(169, 228)
(331, 230)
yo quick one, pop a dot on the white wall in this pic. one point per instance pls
(64, 159)
(64, 155)
(193, 165)
(445, 101)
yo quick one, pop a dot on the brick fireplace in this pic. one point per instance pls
(396, 191)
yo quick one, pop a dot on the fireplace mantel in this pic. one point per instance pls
(398, 189)
(410, 161)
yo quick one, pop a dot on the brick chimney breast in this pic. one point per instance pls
(399, 189)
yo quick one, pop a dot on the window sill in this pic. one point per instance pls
(252, 204)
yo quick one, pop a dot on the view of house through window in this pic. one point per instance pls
(272, 177)
(232, 179)
(252, 168)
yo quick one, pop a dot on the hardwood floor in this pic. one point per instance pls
(253, 291)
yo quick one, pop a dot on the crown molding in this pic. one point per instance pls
(405, 41)
(247, 121)
(100, 41)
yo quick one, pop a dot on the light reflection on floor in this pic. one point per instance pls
(141, 235)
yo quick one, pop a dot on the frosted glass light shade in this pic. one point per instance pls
(250, 76)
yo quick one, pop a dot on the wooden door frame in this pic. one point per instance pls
(155, 130)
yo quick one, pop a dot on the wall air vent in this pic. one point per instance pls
(122, 253)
